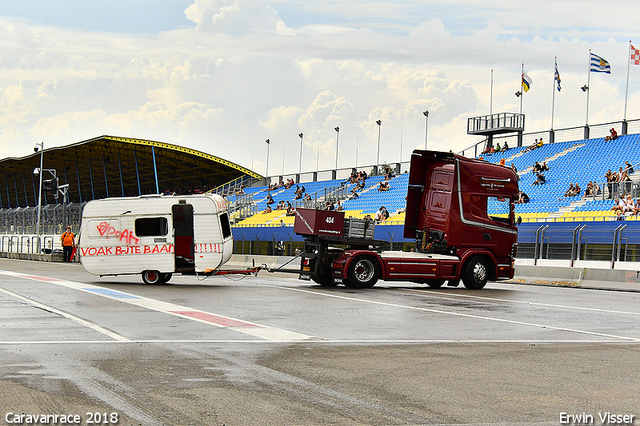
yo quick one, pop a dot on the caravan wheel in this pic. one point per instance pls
(151, 277)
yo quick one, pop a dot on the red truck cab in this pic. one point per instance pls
(460, 213)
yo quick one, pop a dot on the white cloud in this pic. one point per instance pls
(247, 70)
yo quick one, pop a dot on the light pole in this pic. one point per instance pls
(301, 135)
(41, 145)
(337, 129)
(284, 144)
(426, 126)
(379, 123)
(266, 174)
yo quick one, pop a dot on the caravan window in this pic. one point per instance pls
(151, 227)
(226, 226)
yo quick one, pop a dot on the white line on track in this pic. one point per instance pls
(545, 305)
(67, 315)
(459, 314)
(317, 341)
(253, 329)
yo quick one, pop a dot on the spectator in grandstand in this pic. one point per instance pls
(270, 199)
(289, 183)
(544, 167)
(611, 182)
(540, 179)
(339, 206)
(628, 204)
(573, 190)
(381, 215)
(384, 186)
(532, 146)
(625, 180)
(307, 197)
(536, 167)
(588, 191)
(523, 198)
(636, 207)
(291, 211)
(618, 205)
(628, 168)
(354, 195)
(619, 215)
(388, 172)
(329, 205)
(613, 135)
(505, 147)
(498, 149)
(267, 210)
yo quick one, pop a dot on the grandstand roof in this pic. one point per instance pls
(115, 166)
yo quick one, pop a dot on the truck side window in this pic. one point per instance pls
(151, 227)
(498, 209)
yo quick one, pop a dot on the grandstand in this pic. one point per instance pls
(572, 161)
(579, 161)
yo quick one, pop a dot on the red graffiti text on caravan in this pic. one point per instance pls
(107, 230)
(117, 251)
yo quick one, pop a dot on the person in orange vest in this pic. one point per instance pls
(68, 243)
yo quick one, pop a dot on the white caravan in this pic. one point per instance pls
(155, 235)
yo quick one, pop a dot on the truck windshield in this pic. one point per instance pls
(499, 209)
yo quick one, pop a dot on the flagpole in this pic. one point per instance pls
(491, 96)
(553, 89)
(626, 92)
(521, 87)
(588, 88)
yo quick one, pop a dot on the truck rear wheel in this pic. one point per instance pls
(164, 278)
(434, 283)
(151, 277)
(325, 280)
(363, 272)
(475, 273)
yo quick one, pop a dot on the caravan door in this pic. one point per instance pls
(183, 237)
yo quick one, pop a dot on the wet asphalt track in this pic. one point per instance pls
(273, 350)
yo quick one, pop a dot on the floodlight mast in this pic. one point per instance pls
(41, 145)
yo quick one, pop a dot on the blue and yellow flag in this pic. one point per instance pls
(526, 81)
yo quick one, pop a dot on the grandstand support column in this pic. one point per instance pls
(155, 168)
(586, 132)
(519, 143)
(104, 168)
(625, 127)
(552, 136)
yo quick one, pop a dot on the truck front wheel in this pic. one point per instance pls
(475, 273)
(363, 272)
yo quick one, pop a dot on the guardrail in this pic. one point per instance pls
(30, 247)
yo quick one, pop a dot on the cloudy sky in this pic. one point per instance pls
(222, 76)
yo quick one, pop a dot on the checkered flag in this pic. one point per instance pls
(635, 56)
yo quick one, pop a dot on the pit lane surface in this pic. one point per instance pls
(275, 350)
